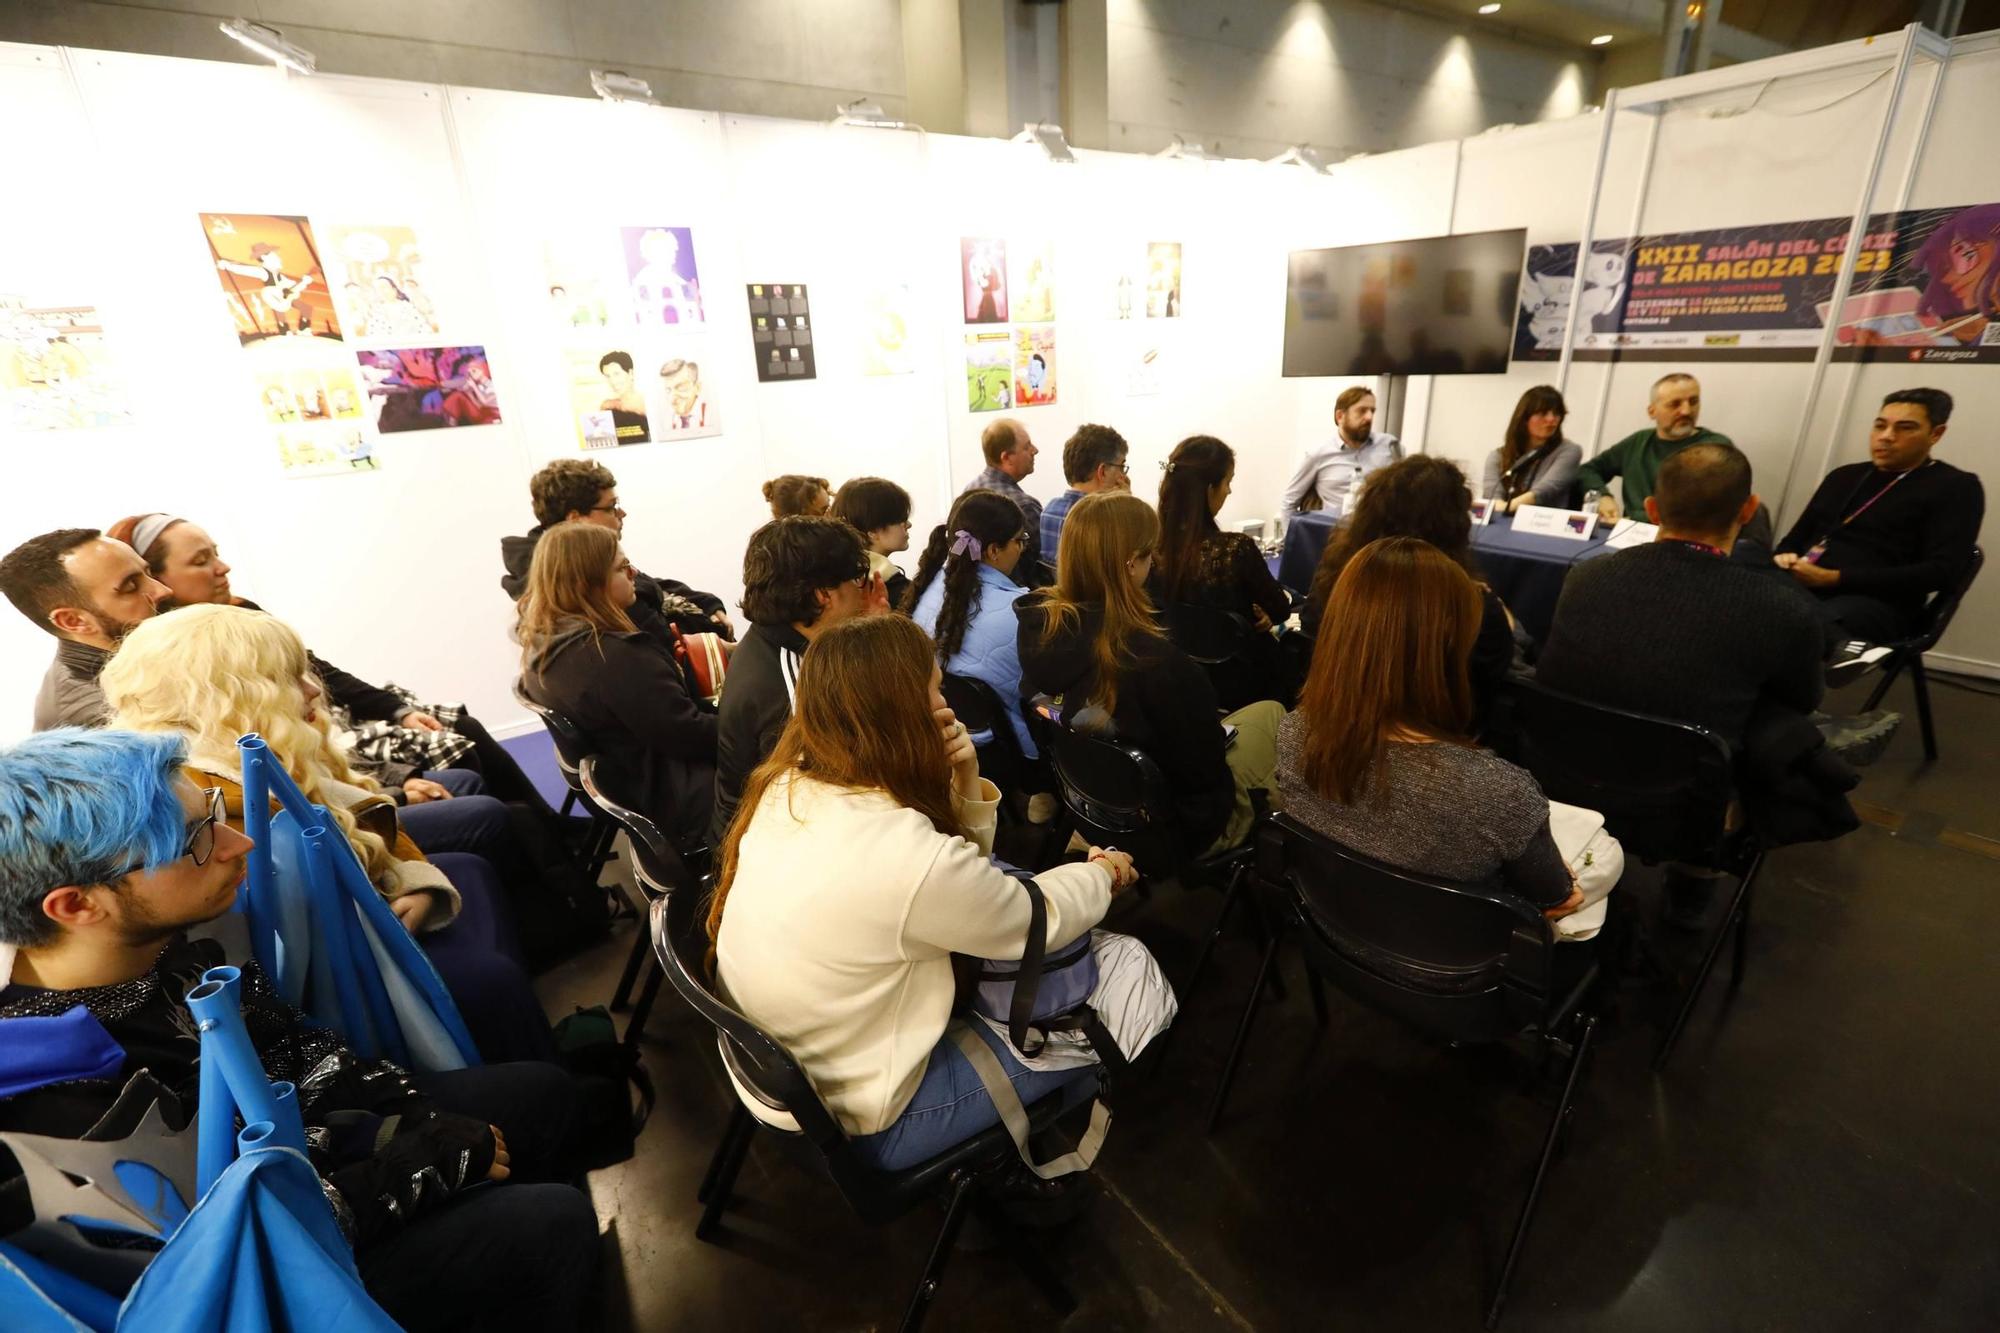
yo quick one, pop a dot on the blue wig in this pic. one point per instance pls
(83, 807)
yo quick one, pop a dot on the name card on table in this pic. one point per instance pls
(1547, 521)
(1631, 532)
(1482, 512)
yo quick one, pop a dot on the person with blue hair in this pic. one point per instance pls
(111, 861)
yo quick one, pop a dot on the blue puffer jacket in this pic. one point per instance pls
(989, 652)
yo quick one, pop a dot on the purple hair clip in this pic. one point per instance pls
(964, 543)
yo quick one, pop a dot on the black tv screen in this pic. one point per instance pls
(1439, 306)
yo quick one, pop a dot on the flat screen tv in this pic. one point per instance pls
(1443, 305)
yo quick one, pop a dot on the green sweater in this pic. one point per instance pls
(1637, 458)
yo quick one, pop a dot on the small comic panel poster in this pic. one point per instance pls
(55, 371)
(887, 342)
(781, 331)
(663, 282)
(379, 284)
(982, 272)
(1163, 280)
(302, 396)
(324, 451)
(1033, 278)
(273, 276)
(1034, 366)
(427, 388)
(989, 371)
(606, 400)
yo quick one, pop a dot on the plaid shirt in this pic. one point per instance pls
(993, 479)
(1052, 520)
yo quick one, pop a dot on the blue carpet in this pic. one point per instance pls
(536, 754)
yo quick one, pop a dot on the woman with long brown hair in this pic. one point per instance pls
(857, 864)
(582, 656)
(1095, 640)
(1378, 756)
(1534, 464)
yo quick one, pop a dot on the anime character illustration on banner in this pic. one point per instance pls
(982, 267)
(1953, 258)
(273, 276)
(379, 284)
(428, 388)
(55, 372)
(989, 371)
(665, 282)
(1033, 279)
(1034, 366)
(688, 412)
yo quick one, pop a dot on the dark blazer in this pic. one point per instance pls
(756, 705)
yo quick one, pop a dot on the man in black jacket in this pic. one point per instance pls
(583, 490)
(1879, 537)
(800, 575)
(109, 857)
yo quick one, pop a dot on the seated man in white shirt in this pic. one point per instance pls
(1335, 469)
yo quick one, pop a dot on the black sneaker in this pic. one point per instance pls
(1860, 739)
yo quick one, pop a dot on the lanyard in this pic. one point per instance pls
(1812, 556)
(1699, 546)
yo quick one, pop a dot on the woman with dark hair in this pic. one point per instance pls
(879, 510)
(857, 865)
(964, 596)
(1200, 564)
(1094, 640)
(582, 656)
(793, 494)
(1379, 756)
(1534, 464)
(1423, 497)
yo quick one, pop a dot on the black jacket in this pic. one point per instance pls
(627, 695)
(363, 702)
(1166, 707)
(756, 704)
(651, 613)
(1913, 541)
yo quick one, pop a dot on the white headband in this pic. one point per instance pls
(148, 531)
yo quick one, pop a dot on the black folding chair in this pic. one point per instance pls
(981, 709)
(767, 1070)
(658, 872)
(571, 747)
(1663, 787)
(1467, 964)
(1220, 641)
(1908, 654)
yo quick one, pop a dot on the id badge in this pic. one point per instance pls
(1812, 557)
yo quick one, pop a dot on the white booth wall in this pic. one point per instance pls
(394, 574)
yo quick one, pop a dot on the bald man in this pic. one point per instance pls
(1010, 457)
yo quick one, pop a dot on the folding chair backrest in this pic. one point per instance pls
(981, 709)
(1944, 604)
(570, 742)
(1209, 635)
(1117, 794)
(655, 860)
(1465, 962)
(1663, 786)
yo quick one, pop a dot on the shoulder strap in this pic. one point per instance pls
(1015, 1116)
(1028, 980)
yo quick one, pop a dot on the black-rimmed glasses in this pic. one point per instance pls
(200, 843)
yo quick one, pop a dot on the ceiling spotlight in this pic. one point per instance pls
(1602, 39)
(870, 115)
(1181, 148)
(1300, 155)
(1050, 138)
(270, 44)
(615, 85)
(1489, 9)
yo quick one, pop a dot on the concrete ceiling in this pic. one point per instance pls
(1750, 28)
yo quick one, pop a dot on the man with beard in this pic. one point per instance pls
(1334, 471)
(88, 591)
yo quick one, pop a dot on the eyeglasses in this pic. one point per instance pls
(200, 843)
(608, 509)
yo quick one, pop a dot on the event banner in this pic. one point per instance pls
(1926, 288)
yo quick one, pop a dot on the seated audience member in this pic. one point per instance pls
(1199, 564)
(584, 491)
(858, 865)
(89, 591)
(215, 673)
(1379, 754)
(1093, 461)
(1010, 459)
(1333, 472)
(1675, 407)
(1095, 640)
(581, 656)
(792, 495)
(800, 576)
(410, 746)
(1534, 465)
(879, 510)
(1677, 629)
(964, 597)
(109, 857)
(1423, 497)
(1879, 537)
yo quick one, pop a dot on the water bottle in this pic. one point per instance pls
(1590, 499)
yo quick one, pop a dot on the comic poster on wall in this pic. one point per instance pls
(982, 273)
(305, 396)
(427, 388)
(1163, 280)
(1926, 289)
(273, 276)
(989, 371)
(378, 283)
(781, 331)
(1032, 278)
(664, 282)
(605, 399)
(55, 371)
(573, 272)
(1034, 366)
(887, 346)
(328, 451)
(685, 410)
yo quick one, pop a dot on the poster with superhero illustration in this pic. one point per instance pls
(427, 388)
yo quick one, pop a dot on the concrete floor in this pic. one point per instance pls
(1820, 1156)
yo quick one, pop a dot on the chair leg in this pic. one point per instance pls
(1242, 1033)
(725, 1183)
(569, 804)
(1708, 957)
(1549, 1143)
(933, 1274)
(739, 1123)
(1026, 1256)
(635, 1026)
(641, 946)
(1262, 931)
(1881, 690)
(1742, 945)
(1215, 933)
(1318, 994)
(1920, 682)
